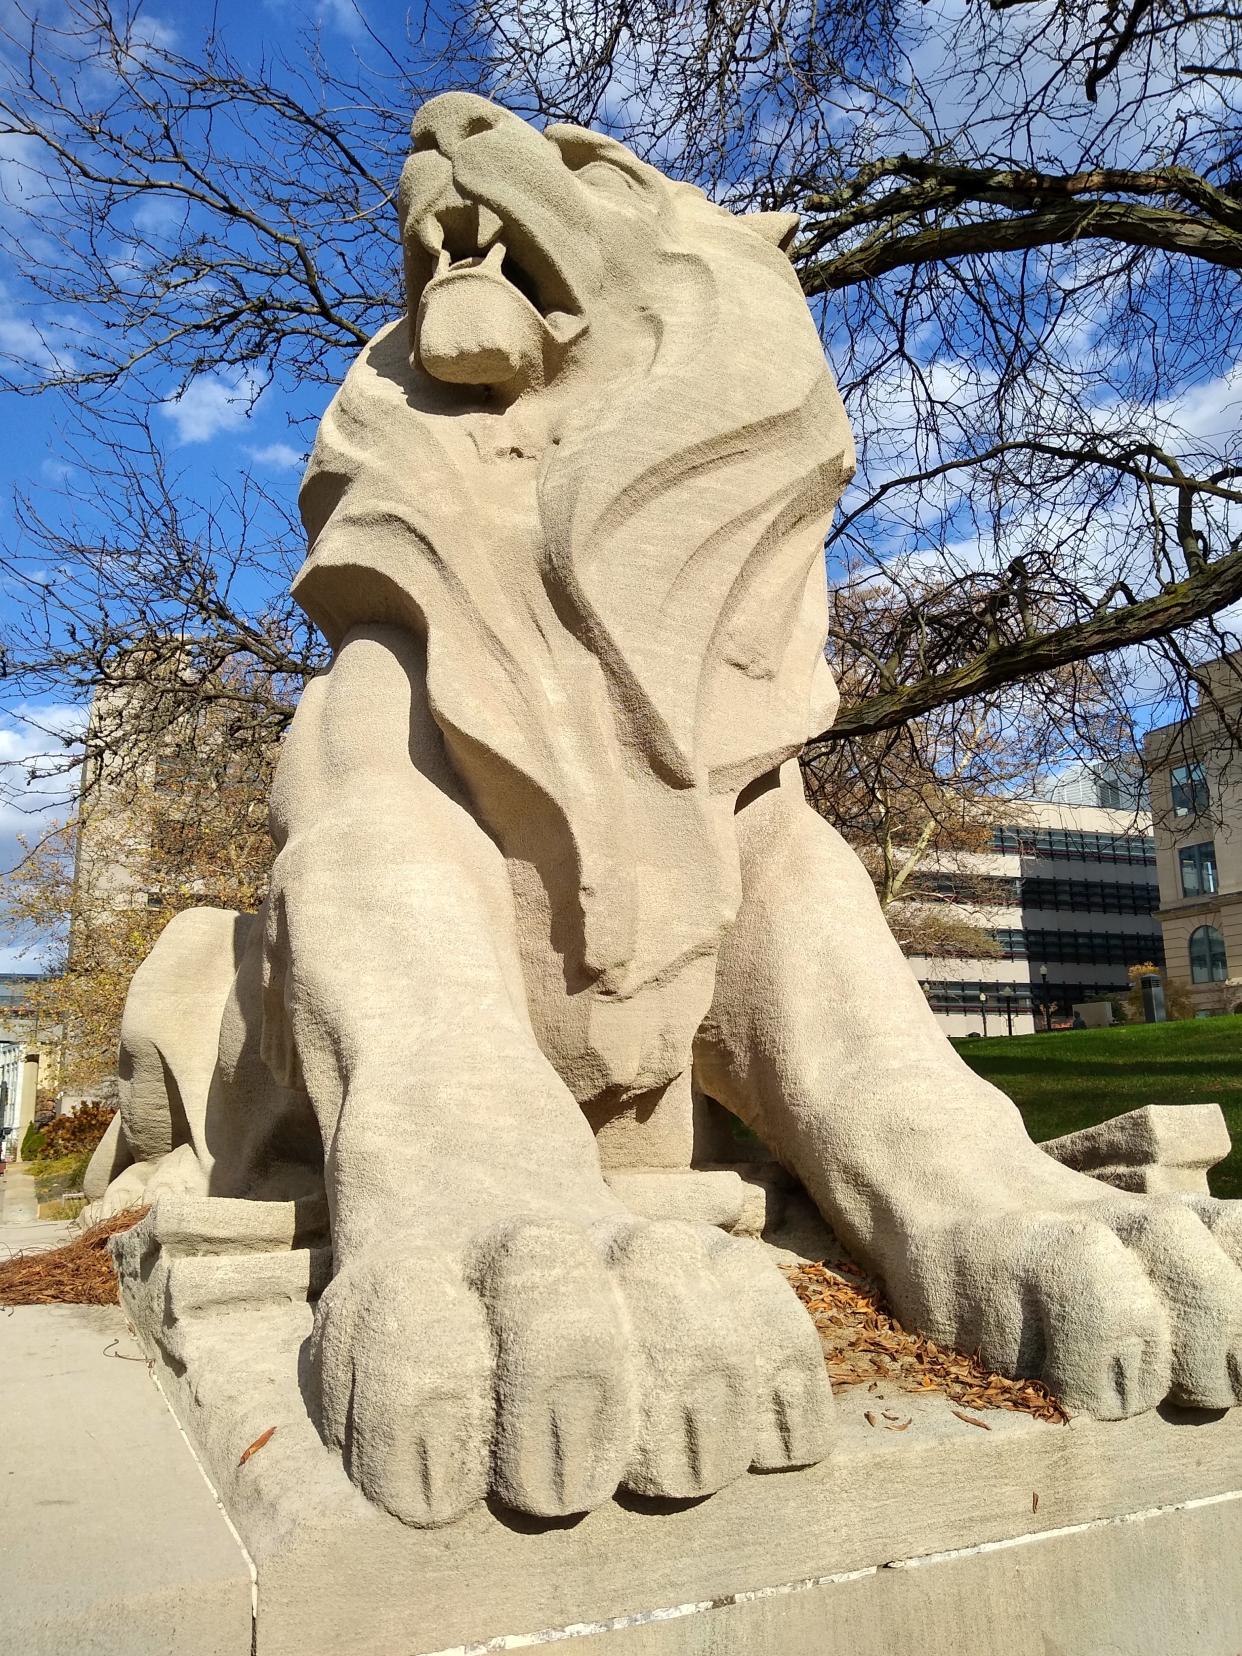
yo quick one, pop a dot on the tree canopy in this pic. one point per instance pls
(1021, 231)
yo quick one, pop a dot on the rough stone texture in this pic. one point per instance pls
(113, 1543)
(1129, 1549)
(547, 893)
(737, 1200)
(1161, 1149)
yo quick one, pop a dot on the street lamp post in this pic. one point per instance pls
(1043, 995)
(983, 1009)
(1009, 1008)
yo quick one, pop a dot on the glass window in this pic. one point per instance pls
(1190, 790)
(1198, 866)
(1207, 956)
(1062, 844)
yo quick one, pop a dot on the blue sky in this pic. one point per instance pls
(220, 429)
(213, 433)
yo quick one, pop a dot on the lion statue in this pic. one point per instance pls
(546, 882)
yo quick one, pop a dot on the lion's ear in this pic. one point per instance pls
(777, 228)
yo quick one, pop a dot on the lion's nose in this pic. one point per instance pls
(444, 122)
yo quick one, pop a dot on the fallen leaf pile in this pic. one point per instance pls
(864, 1343)
(80, 1273)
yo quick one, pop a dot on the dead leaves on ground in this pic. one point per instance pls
(893, 1422)
(864, 1343)
(80, 1273)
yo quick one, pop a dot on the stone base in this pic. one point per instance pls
(1078, 1540)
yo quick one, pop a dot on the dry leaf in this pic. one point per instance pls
(870, 1418)
(971, 1420)
(1035, 1501)
(254, 1448)
(864, 1343)
(898, 1425)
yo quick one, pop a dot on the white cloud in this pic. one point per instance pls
(211, 404)
(145, 30)
(158, 215)
(38, 775)
(28, 347)
(344, 15)
(1210, 410)
(281, 456)
(20, 183)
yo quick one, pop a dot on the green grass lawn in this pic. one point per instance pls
(53, 1178)
(1066, 1081)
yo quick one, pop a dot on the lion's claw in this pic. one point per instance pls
(551, 1364)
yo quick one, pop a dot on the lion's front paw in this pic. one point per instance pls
(552, 1364)
(1118, 1302)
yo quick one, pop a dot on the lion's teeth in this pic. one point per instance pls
(490, 227)
(495, 256)
(444, 261)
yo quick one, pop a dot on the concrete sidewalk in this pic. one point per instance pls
(21, 1229)
(18, 1202)
(114, 1542)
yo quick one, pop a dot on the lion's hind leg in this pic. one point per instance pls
(170, 1037)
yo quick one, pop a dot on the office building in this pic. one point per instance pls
(1067, 893)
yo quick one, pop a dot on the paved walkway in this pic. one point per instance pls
(95, 1471)
(21, 1229)
(18, 1205)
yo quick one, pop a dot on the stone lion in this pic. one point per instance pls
(546, 882)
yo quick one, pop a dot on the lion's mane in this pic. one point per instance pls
(625, 627)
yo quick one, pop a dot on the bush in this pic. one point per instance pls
(70, 1135)
(1178, 1002)
(32, 1143)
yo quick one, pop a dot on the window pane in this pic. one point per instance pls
(1207, 956)
(1198, 869)
(1190, 790)
(1190, 870)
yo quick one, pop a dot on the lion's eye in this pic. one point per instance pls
(603, 175)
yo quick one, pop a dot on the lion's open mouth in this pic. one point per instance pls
(469, 235)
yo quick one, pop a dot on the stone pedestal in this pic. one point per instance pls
(946, 1536)
(1036, 1540)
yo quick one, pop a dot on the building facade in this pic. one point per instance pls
(1070, 895)
(29, 1058)
(1195, 768)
